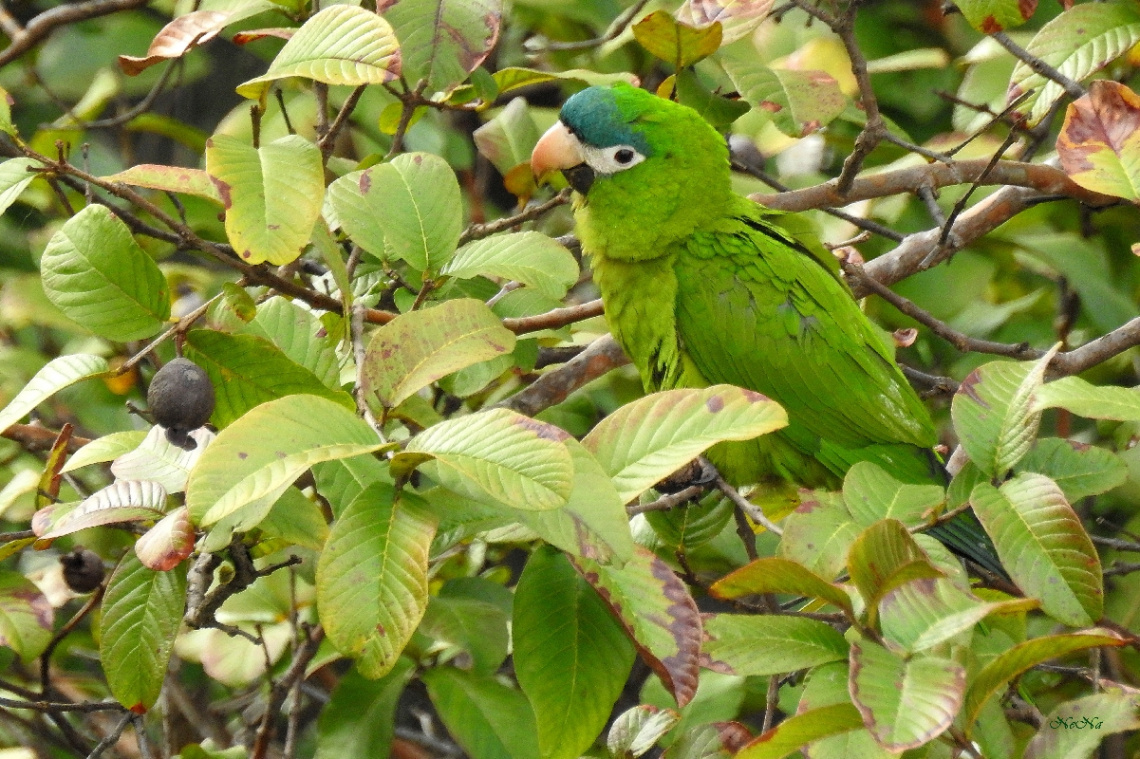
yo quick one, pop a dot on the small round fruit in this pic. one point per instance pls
(82, 570)
(181, 398)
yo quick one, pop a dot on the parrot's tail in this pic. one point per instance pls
(964, 536)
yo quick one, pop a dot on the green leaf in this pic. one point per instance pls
(372, 577)
(99, 277)
(26, 616)
(122, 501)
(571, 659)
(593, 523)
(359, 209)
(1076, 727)
(658, 614)
(6, 125)
(300, 335)
(476, 626)
(142, 611)
(342, 44)
(272, 194)
(157, 459)
(1077, 43)
(796, 732)
(497, 455)
(692, 525)
(738, 644)
(359, 719)
(247, 371)
(773, 575)
(508, 139)
(1078, 468)
(14, 178)
(800, 102)
(1098, 144)
(342, 480)
(676, 43)
(417, 348)
(259, 455)
(904, 702)
(1021, 657)
(488, 719)
(991, 16)
(423, 209)
(57, 374)
(995, 415)
(530, 258)
(168, 179)
(819, 533)
(924, 613)
(1041, 541)
(649, 439)
(107, 448)
(712, 740)
(444, 40)
(871, 494)
(885, 557)
(1084, 399)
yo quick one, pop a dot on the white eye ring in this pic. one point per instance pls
(613, 159)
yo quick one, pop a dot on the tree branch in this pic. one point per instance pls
(1046, 179)
(45, 23)
(603, 355)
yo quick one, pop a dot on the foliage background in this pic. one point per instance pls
(384, 580)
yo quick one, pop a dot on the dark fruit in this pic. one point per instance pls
(181, 399)
(82, 570)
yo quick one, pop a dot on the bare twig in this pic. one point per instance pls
(1044, 178)
(613, 32)
(45, 23)
(479, 231)
(559, 317)
(666, 502)
(603, 355)
(753, 511)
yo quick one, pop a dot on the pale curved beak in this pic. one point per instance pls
(556, 150)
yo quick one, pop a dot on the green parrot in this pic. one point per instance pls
(702, 287)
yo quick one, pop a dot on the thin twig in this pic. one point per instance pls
(666, 502)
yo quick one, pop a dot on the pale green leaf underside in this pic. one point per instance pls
(343, 44)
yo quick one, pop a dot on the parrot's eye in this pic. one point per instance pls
(613, 159)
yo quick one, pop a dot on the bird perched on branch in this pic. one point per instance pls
(701, 286)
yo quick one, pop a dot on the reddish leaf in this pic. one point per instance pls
(1099, 144)
(177, 38)
(164, 546)
(252, 35)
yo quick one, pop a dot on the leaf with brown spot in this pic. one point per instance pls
(658, 614)
(171, 179)
(444, 40)
(1099, 144)
(991, 16)
(177, 38)
(651, 438)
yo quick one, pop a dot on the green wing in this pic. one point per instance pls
(756, 309)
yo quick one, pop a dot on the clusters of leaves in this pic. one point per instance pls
(372, 514)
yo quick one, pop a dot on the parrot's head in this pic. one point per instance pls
(636, 159)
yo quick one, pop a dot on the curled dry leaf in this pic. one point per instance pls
(1099, 144)
(176, 39)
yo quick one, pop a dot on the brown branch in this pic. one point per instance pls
(280, 690)
(1046, 179)
(666, 502)
(327, 141)
(559, 317)
(33, 437)
(479, 231)
(603, 355)
(45, 23)
(616, 28)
